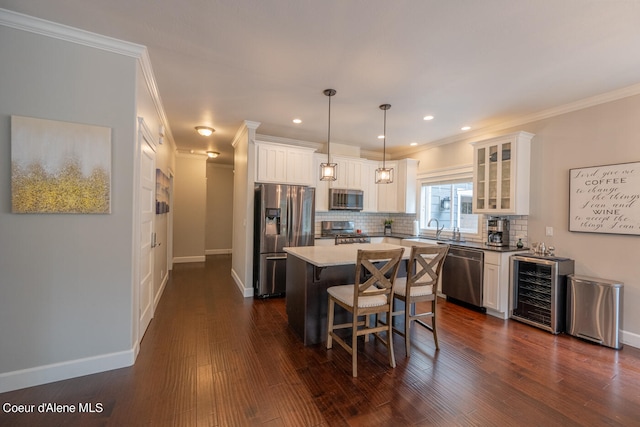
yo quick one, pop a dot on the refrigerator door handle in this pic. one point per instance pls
(290, 225)
(275, 258)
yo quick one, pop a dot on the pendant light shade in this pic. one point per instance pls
(328, 171)
(384, 175)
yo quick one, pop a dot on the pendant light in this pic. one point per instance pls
(328, 171)
(384, 175)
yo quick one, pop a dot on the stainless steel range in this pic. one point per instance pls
(344, 232)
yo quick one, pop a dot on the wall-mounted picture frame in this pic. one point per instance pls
(605, 199)
(60, 167)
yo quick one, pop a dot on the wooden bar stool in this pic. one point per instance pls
(421, 284)
(371, 294)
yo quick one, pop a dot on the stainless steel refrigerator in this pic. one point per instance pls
(284, 216)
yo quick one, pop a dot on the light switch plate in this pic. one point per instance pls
(549, 231)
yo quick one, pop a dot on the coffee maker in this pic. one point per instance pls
(497, 231)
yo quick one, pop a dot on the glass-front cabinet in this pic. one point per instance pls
(501, 174)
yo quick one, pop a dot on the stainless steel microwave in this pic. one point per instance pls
(346, 200)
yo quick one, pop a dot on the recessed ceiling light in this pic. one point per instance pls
(205, 130)
(465, 128)
(413, 144)
(428, 117)
(380, 136)
(297, 121)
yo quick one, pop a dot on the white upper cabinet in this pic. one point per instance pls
(353, 173)
(349, 174)
(284, 164)
(400, 195)
(369, 186)
(322, 187)
(501, 174)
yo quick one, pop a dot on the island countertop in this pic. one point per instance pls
(327, 256)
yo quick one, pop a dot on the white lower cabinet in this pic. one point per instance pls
(491, 281)
(496, 295)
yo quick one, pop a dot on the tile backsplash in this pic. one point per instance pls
(370, 223)
(373, 223)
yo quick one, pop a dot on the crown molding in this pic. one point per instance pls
(149, 77)
(541, 115)
(35, 25)
(54, 30)
(246, 126)
(289, 141)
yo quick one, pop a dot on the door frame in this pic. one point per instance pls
(143, 134)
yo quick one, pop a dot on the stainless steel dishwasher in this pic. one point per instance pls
(462, 275)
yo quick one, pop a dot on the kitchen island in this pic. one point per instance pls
(313, 269)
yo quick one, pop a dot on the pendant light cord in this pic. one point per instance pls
(384, 141)
(384, 107)
(329, 93)
(329, 134)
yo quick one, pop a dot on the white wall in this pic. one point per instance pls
(190, 195)
(66, 280)
(218, 233)
(599, 135)
(243, 184)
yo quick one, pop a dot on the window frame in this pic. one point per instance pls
(446, 176)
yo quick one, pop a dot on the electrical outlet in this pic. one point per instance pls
(549, 231)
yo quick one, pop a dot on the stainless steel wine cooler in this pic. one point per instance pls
(539, 286)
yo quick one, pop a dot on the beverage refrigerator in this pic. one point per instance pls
(284, 217)
(539, 286)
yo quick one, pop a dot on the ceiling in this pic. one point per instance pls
(474, 63)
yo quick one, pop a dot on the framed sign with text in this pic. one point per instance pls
(605, 199)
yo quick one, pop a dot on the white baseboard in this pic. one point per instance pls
(630, 339)
(246, 292)
(39, 375)
(217, 251)
(185, 259)
(158, 295)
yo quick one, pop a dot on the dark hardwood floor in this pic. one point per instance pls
(213, 358)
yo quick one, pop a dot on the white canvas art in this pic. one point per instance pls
(59, 167)
(605, 199)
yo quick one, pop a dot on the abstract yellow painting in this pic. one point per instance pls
(60, 167)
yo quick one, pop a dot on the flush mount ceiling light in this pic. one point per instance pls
(212, 154)
(384, 175)
(205, 130)
(328, 171)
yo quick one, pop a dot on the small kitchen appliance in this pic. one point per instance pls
(497, 231)
(346, 200)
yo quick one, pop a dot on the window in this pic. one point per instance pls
(448, 199)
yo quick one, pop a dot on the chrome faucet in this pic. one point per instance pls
(438, 229)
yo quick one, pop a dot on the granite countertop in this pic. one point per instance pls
(327, 256)
(472, 245)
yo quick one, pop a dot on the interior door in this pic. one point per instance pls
(147, 189)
